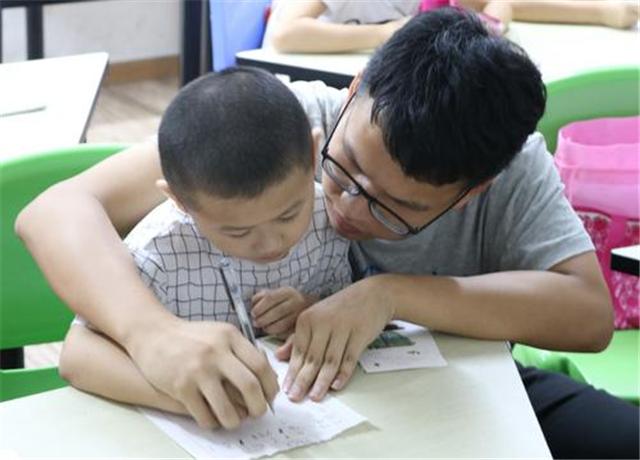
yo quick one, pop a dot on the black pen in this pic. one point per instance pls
(232, 287)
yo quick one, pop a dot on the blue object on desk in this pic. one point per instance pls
(235, 26)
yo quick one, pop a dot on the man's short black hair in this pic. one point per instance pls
(454, 102)
(233, 134)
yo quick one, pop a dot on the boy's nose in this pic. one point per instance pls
(271, 245)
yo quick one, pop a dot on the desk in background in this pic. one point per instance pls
(61, 95)
(558, 50)
(474, 407)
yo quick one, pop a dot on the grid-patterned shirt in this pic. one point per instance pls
(180, 265)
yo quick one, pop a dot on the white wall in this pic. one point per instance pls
(127, 29)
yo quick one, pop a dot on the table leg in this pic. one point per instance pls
(35, 39)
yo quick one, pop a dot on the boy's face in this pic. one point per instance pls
(261, 229)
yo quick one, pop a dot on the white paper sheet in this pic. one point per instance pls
(293, 425)
(422, 353)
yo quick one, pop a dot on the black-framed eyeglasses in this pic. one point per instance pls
(381, 212)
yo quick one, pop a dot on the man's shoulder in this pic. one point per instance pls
(320, 102)
(531, 163)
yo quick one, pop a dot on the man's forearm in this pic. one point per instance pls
(87, 264)
(544, 309)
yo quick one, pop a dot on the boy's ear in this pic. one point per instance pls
(166, 190)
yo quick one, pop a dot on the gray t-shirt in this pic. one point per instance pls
(522, 222)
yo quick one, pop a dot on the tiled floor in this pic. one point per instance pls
(124, 113)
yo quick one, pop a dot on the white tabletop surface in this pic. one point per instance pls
(62, 91)
(559, 50)
(628, 252)
(474, 407)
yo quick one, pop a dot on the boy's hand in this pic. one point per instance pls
(276, 310)
(196, 363)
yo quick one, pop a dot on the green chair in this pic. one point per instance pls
(30, 313)
(602, 93)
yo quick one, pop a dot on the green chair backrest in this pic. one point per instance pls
(30, 312)
(594, 94)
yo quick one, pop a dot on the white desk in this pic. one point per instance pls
(60, 91)
(474, 407)
(626, 260)
(559, 51)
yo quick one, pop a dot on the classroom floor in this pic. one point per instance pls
(124, 113)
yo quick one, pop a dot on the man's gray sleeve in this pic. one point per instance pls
(534, 224)
(322, 105)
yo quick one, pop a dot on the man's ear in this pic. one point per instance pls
(163, 186)
(317, 139)
(355, 83)
(471, 194)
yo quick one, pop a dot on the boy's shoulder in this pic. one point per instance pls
(166, 229)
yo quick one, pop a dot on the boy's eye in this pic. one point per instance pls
(288, 218)
(238, 234)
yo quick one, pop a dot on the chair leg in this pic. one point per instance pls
(12, 358)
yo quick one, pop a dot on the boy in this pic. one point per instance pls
(237, 155)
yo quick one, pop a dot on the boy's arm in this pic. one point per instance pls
(94, 363)
(298, 30)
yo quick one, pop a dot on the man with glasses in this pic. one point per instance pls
(456, 213)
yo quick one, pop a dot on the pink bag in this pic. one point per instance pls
(599, 163)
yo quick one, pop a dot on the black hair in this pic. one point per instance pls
(454, 102)
(233, 134)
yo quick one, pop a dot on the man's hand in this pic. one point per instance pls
(210, 368)
(331, 335)
(276, 310)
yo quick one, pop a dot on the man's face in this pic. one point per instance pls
(357, 145)
(261, 229)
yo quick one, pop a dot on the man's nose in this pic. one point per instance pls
(354, 207)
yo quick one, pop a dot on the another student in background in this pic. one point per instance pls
(318, 26)
(617, 14)
(237, 157)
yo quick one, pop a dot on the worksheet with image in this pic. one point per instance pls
(402, 346)
(292, 425)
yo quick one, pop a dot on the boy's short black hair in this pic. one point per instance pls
(233, 134)
(454, 102)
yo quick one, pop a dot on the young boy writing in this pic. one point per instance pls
(237, 156)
